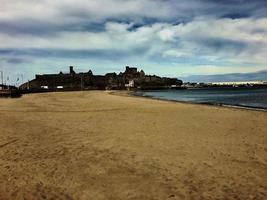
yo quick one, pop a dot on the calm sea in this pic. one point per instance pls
(243, 97)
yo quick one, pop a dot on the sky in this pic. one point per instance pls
(173, 38)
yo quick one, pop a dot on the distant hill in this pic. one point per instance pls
(260, 75)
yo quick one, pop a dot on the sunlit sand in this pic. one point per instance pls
(97, 145)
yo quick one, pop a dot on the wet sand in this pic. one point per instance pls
(96, 145)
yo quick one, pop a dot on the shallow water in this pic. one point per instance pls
(244, 97)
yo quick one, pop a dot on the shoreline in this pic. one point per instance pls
(134, 94)
(219, 105)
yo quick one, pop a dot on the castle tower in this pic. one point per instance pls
(71, 70)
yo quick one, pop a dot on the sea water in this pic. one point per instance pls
(242, 97)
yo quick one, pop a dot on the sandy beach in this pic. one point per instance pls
(97, 145)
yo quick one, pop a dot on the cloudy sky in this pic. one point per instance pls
(165, 37)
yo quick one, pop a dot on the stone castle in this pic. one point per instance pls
(131, 78)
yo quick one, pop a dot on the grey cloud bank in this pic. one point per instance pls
(167, 37)
(256, 76)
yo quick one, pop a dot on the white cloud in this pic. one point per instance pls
(69, 11)
(175, 53)
(199, 37)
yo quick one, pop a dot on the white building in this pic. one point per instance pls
(130, 84)
(240, 83)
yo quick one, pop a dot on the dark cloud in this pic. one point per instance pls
(220, 44)
(233, 9)
(261, 75)
(41, 28)
(69, 54)
(234, 15)
(16, 60)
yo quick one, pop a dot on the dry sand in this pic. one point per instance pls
(96, 145)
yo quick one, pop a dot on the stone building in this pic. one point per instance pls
(131, 77)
